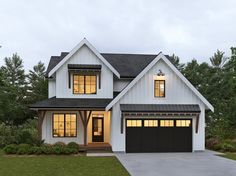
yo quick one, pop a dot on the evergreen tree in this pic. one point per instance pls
(218, 59)
(14, 89)
(38, 86)
(176, 61)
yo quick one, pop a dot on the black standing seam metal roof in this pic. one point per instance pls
(127, 65)
(159, 108)
(72, 103)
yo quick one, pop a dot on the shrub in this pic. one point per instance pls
(212, 143)
(61, 144)
(27, 133)
(35, 150)
(47, 149)
(227, 147)
(7, 135)
(73, 145)
(23, 149)
(58, 148)
(10, 149)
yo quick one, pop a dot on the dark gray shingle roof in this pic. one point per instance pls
(160, 108)
(128, 65)
(71, 103)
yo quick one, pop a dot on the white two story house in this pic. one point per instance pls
(133, 102)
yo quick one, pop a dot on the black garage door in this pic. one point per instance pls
(158, 135)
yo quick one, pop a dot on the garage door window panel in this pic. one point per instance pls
(166, 123)
(150, 123)
(183, 123)
(134, 123)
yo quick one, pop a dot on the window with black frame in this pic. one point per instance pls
(64, 125)
(84, 84)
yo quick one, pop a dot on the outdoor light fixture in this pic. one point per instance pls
(160, 73)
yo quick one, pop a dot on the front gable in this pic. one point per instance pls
(83, 56)
(178, 88)
(84, 42)
(176, 91)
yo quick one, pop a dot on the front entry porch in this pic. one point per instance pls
(96, 147)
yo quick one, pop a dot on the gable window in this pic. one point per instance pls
(159, 88)
(84, 84)
(64, 125)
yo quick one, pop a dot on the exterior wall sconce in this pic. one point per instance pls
(160, 73)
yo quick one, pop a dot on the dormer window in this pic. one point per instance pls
(84, 84)
(159, 88)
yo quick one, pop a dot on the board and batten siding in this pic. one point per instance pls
(119, 85)
(47, 128)
(51, 88)
(84, 56)
(142, 92)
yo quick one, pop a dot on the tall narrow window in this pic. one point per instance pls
(64, 125)
(84, 84)
(159, 88)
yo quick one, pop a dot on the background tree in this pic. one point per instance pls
(38, 85)
(218, 59)
(176, 61)
(14, 89)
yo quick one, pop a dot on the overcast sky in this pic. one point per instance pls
(190, 29)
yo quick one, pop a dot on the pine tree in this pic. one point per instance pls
(14, 88)
(38, 86)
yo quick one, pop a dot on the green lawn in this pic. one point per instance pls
(229, 156)
(60, 166)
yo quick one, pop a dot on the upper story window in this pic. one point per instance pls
(84, 84)
(159, 88)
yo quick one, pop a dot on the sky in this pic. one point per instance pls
(38, 29)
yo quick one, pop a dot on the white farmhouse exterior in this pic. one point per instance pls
(132, 102)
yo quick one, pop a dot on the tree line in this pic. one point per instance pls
(19, 90)
(216, 80)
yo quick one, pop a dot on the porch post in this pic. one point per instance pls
(85, 119)
(41, 115)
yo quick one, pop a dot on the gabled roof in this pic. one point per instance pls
(127, 65)
(74, 50)
(147, 68)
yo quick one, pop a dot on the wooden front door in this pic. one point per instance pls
(97, 129)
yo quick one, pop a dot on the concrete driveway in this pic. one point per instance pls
(177, 164)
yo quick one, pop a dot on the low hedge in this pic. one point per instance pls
(46, 149)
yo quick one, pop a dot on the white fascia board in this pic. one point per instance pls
(76, 48)
(177, 72)
(182, 77)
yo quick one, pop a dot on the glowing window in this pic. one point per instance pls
(150, 123)
(166, 123)
(64, 125)
(159, 88)
(84, 84)
(183, 123)
(134, 123)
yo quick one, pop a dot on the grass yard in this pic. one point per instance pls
(229, 156)
(60, 166)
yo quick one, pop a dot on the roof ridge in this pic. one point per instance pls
(142, 54)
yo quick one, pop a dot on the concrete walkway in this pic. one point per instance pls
(177, 164)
